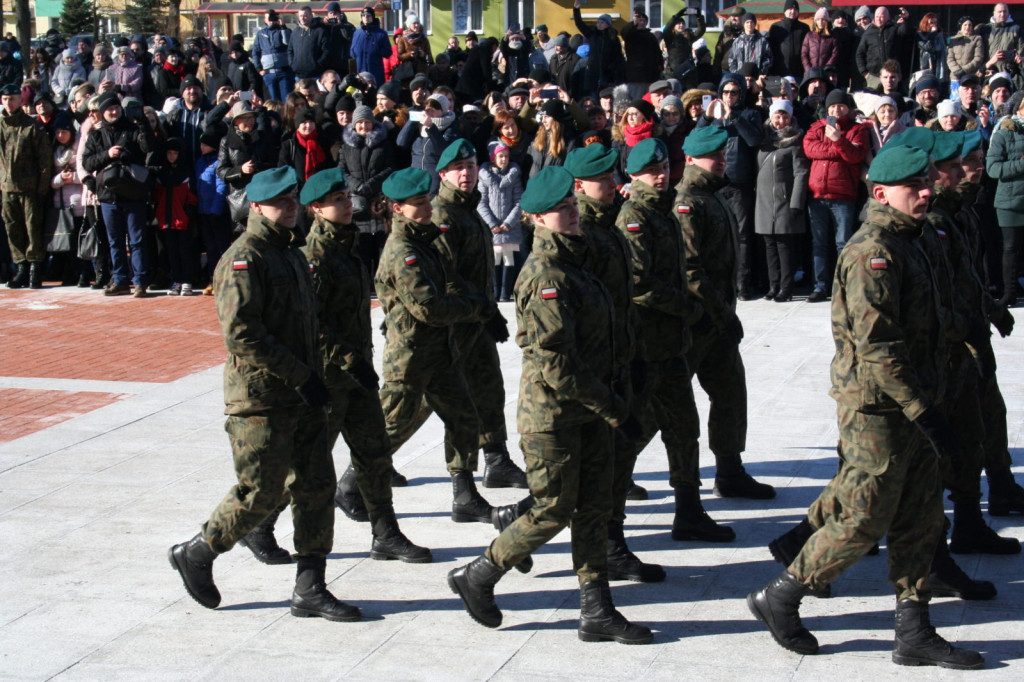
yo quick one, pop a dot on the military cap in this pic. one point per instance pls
(704, 141)
(541, 27)
(406, 183)
(10, 89)
(972, 142)
(546, 189)
(321, 184)
(272, 183)
(459, 150)
(646, 152)
(590, 161)
(917, 137)
(897, 163)
(947, 145)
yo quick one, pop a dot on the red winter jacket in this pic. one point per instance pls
(836, 166)
(170, 205)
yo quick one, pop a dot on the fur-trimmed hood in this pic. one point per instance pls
(789, 136)
(377, 135)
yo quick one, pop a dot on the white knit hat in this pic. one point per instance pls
(948, 107)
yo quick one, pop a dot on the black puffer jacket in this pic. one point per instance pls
(644, 62)
(786, 38)
(366, 161)
(880, 44)
(605, 63)
(136, 139)
(236, 148)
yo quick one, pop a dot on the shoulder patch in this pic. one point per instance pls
(412, 259)
(633, 227)
(683, 208)
(878, 263)
(549, 293)
(444, 227)
(240, 265)
(311, 268)
(942, 233)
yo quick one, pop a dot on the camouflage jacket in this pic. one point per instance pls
(465, 243)
(26, 157)
(421, 302)
(887, 322)
(610, 263)
(709, 241)
(566, 330)
(941, 242)
(342, 285)
(969, 292)
(970, 226)
(660, 291)
(267, 311)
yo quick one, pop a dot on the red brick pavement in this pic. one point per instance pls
(26, 411)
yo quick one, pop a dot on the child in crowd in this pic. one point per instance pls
(212, 217)
(501, 187)
(175, 203)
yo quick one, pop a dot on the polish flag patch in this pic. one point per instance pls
(633, 227)
(549, 293)
(682, 208)
(878, 263)
(239, 265)
(412, 259)
(311, 267)
(445, 228)
(942, 233)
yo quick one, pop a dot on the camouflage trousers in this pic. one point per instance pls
(357, 417)
(961, 474)
(570, 476)
(444, 390)
(888, 483)
(993, 411)
(719, 368)
(23, 217)
(278, 454)
(667, 405)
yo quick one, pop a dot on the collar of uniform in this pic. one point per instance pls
(698, 178)
(594, 212)
(968, 193)
(888, 218)
(413, 230)
(450, 194)
(275, 233)
(946, 199)
(572, 249)
(343, 234)
(643, 193)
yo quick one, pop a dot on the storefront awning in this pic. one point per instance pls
(49, 8)
(281, 7)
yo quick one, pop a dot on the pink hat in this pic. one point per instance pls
(497, 148)
(821, 14)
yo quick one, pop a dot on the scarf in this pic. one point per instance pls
(637, 134)
(178, 70)
(411, 37)
(441, 123)
(510, 142)
(314, 154)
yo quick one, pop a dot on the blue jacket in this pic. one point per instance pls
(270, 48)
(211, 190)
(370, 47)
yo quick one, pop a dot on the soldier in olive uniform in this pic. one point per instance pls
(26, 167)
(888, 327)
(709, 242)
(567, 408)
(276, 403)
(342, 285)
(465, 244)
(422, 301)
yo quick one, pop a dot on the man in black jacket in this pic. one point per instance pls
(605, 63)
(309, 49)
(883, 40)
(340, 32)
(786, 37)
(643, 55)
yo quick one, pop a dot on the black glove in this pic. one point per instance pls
(364, 375)
(936, 429)
(638, 376)
(630, 429)
(733, 329)
(314, 392)
(90, 182)
(1003, 322)
(497, 327)
(980, 340)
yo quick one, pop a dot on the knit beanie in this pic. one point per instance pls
(362, 113)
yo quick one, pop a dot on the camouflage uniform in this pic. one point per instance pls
(666, 310)
(342, 285)
(888, 328)
(422, 304)
(26, 168)
(566, 404)
(267, 311)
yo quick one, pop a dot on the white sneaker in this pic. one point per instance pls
(186, 290)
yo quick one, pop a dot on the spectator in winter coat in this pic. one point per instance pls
(100, 75)
(304, 150)
(11, 69)
(127, 73)
(426, 139)
(272, 57)
(605, 62)
(516, 49)
(212, 220)
(674, 129)
(1001, 38)
(750, 46)
(931, 48)
(41, 69)
(241, 73)
(501, 187)
(190, 120)
(67, 187)
(66, 72)
(169, 78)
(786, 38)
(678, 38)
(309, 48)
(412, 47)
(644, 62)
(175, 206)
(476, 80)
(339, 33)
(366, 157)
(820, 47)
(883, 40)
(563, 63)
(966, 54)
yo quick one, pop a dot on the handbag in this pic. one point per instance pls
(128, 181)
(88, 243)
(238, 205)
(405, 71)
(59, 228)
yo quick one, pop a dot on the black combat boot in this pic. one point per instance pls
(310, 598)
(787, 546)
(348, 498)
(948, 580)
(502, 518)
(1005, 496)
(474, 583)
(390, 543)
(691, 522)
(499, 469)
(84, 278)
(777, 605)
(194, 561)
(601, 622)
(623, 564)
(467, 504)
(917, 643)
(35, 276)
(102, 277)
(262, 543)
(636, 492)
(20, 279)
(971, 535)
(732, 480)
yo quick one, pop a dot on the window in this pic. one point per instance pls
(653, 10)
(108, 25)
(520, 12)
(392, 19)
(468, 16)
(709, 8)
(250, 26)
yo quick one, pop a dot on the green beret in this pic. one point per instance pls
(646, 152)
(272, 183)
(972, 142)
(947, 146)
(590, 161)
(321, 184)
(917, 137)
(897, 163)
(546, 189)
(459, 150)
(10, 89)
(408, 182)
(704, 141)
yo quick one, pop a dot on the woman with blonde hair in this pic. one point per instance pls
(555, 138)
(820, 47)
(210, 76)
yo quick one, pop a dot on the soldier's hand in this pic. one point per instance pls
(314, 392)
(365, 375)
(1003, 322)
(936, 429)
(497, 327)
(638, 376)
(630, 429)
(733, 329)
(986, 361)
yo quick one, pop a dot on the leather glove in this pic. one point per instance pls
(733, 329)
(497, 327)
(638, 376)
(1003, 322)
(314, 392)
(937, 430)
(364, 374)
(630, 429)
